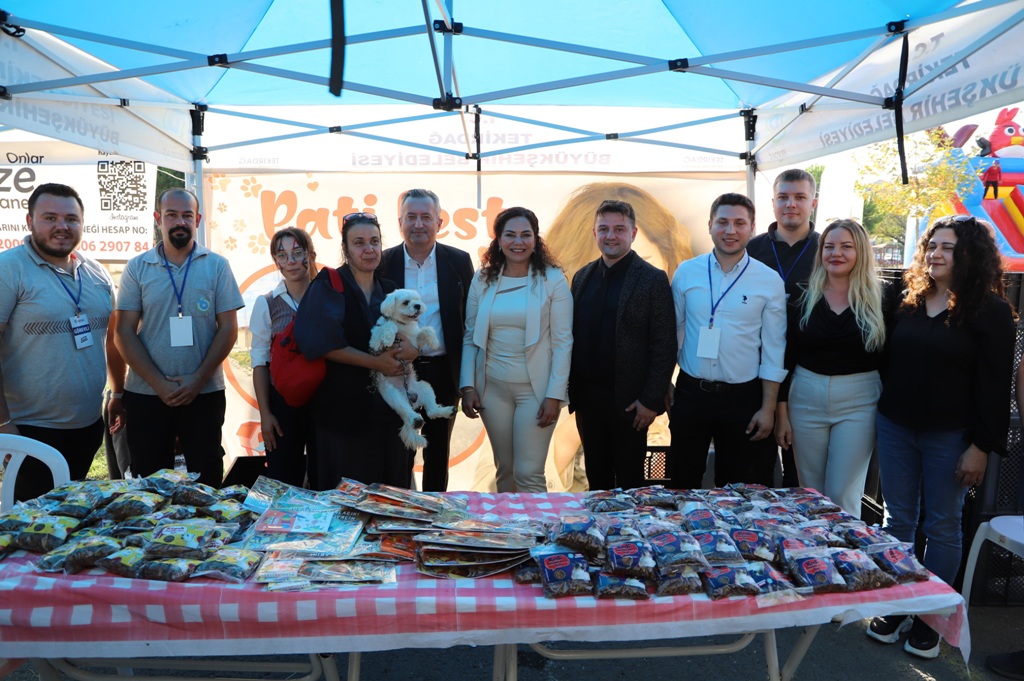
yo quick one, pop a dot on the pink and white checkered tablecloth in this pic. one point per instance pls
(95, 614)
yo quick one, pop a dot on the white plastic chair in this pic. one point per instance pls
(18, 447)
(1005, 530)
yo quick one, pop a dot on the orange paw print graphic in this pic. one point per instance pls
(230, 243)
(239, 225)
(250, 187)
(218, 181)
(258, 243)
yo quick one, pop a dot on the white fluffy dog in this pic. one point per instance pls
(405, 394)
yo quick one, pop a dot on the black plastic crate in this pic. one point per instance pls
(655, 470)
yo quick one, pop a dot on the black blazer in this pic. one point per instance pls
(645, 335)
(454, 275)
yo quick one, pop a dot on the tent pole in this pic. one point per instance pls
(749, 134)
(198, 156)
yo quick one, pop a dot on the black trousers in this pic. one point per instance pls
(790, 477)
(294, 458)
(115, 446)
(369, 452)
(77, 445)
(436, 371)
(995, 189)
(698, 417)
(153, 426)
(614, 451)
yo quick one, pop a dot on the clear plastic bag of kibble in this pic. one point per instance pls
(579, 530)
(632, 558)
(604, 501)
(814, 568)
(618, 527)
(698, 516)
(899, 561)
(719, 548)
(563, 571)
(674, 549)
(860, 571)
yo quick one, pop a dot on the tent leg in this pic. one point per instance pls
(198, 156)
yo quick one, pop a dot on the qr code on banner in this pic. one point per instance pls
(122, 185)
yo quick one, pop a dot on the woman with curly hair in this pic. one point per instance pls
(836, 333)
(517, 349)
(944, 399)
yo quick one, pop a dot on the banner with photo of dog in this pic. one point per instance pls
(242, 212)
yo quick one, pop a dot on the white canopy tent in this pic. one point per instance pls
(648, 86)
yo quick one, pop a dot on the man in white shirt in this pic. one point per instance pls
(731, 324)
(442, 275)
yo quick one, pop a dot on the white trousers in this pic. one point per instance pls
(833, 419)
(520, 446)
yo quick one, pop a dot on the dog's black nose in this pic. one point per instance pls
(417, 306)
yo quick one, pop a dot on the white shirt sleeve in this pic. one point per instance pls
(260, 329)
(773, 336)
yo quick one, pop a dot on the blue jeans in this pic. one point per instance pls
(920, 467)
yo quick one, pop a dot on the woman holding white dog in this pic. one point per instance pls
(356, 432)
(287, 431)
(517, 349)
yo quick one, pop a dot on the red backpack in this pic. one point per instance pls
(293, 376)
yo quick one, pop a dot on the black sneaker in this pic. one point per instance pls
(1007, 665)
(888, 629)
(923, 640)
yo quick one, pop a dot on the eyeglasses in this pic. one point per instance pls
(362, 217)
(296, 255)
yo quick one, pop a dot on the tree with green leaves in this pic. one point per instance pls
(938, 171)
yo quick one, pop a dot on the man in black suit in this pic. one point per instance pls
(442, 275)
(623, 354)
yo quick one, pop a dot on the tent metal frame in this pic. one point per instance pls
(450, 99)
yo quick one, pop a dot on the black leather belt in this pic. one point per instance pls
(716, 387)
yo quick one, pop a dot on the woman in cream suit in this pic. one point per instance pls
(517, 349)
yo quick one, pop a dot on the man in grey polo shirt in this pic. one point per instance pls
(55, 308)
(177, 321)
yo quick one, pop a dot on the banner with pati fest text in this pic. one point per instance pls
(244, 211)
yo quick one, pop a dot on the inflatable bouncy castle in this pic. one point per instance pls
(1004, 208)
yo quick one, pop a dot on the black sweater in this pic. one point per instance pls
(944, 377)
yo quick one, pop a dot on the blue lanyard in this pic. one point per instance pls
(188, 266)
(74, 299)
(714, 303)
(785, 275)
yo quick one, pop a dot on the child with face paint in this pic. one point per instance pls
(287, 431)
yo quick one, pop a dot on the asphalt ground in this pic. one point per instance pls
(837, 652)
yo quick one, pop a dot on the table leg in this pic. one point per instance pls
(498, 665)
(47, 672)
(796, 655)
(329, 666)
(354, 660)
(506, 665)
(771, 655)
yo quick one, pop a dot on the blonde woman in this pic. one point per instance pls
(834, 343)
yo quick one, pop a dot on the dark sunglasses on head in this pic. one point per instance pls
(362, 217)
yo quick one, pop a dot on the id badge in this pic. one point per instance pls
(81, 331)
(708, 341)
(181, 332)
